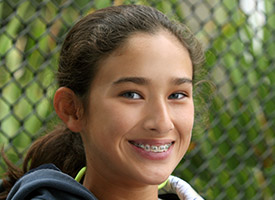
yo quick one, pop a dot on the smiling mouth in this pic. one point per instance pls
(153, 148)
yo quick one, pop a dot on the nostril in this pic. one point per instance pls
(160, 123)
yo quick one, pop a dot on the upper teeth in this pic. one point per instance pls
(154, 148)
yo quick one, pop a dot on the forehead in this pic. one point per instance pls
(147, 54)
(140, 40)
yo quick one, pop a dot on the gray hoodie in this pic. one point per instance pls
(47, 182)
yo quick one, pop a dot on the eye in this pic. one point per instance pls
(177, 96)
(131, 95)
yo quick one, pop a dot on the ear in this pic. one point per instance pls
(68, 107)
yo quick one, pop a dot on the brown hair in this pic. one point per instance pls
(91, 40)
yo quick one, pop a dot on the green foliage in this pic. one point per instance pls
(232, 159)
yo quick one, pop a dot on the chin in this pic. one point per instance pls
(157, 177)
(157, 180)
(154, 173)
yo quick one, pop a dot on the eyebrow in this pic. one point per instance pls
(136, 80)
(144, 81)
(179, 81)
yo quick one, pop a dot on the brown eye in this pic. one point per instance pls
(131, 95)
(177, 96)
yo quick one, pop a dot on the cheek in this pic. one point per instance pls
(185, 117)
(185, 121)
(111, 121)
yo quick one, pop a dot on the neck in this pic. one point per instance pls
(104, 189)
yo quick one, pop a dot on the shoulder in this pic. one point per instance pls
(48, 182)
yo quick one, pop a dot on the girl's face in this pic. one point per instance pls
(140, 117)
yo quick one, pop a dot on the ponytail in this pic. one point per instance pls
(60, 147)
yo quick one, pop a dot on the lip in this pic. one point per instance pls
(152, 155)
(153, 142)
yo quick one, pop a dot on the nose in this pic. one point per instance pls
(158, 118)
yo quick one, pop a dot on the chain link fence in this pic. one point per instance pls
(232, 158)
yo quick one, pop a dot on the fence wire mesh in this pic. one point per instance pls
(233, 158)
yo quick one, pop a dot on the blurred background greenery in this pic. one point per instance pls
(232, 157)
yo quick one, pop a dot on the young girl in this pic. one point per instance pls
(126, 76)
